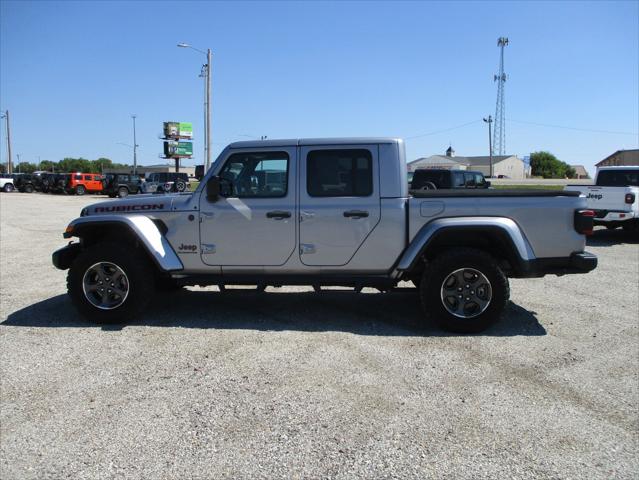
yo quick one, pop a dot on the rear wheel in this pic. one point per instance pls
(123, 192)
(110, 283)
(631, 226)
(80, 190)
(463, 290)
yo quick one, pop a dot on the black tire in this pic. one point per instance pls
(138, 271)
(80, 190)
(8, 188)
(429, 186)
(631, 226)
(441, 269)
(123, 192)
(28, 188)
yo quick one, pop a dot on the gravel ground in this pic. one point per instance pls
(291, 384)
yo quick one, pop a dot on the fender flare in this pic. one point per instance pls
(143, 228)
(429, 232)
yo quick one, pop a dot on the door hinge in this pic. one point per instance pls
(208, 248)
(306, 248)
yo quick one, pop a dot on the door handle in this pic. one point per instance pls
(278, 214)
(356, 213)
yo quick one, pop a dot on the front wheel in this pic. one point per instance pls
(123, 192)
(8, 188)
(110, 283)
(463, 290)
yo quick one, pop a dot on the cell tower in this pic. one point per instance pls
(499, 134)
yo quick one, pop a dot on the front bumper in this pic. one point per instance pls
(63, 257)
(578, 262)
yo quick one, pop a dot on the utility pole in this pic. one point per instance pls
(208, 109)
(135, 149)
(9, 166)
(489, 121)
(18, 155)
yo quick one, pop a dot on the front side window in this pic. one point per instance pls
(339, 173)
(255, 174)
(87, 178)
(470, 179)
(479, 179)
(77, 177)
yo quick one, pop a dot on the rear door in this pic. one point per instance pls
(339, 202)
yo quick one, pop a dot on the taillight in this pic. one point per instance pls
(630, 198)
(584, 221)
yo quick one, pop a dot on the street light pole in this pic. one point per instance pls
(489, 121)
(9, 166)
(207, 113)
(135, 149)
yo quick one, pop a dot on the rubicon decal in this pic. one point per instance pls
(130, 208)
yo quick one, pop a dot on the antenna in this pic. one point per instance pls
(499, 134)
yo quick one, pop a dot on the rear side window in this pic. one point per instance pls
(458, 179)
(339, 173)
(618, 178)
(87, 177)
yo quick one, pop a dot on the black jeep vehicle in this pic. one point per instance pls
(60, 183)
(121, 184)
(165, 182)
(439, 178)
(25, 183)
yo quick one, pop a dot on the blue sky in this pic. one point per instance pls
(71, 73)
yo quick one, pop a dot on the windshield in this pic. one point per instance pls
(618, 178)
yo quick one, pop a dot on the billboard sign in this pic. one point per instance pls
(178, 149)
(178, 130)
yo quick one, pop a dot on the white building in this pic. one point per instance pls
(509, 166)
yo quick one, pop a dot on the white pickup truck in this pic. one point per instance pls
(614, 197)
(6, 183)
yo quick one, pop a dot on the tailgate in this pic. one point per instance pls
(604, 198)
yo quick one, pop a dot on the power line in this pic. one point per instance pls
(572, 128)
(444, 130)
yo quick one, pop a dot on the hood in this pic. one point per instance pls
(139, 204)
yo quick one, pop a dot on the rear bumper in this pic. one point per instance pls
(578, 262)
(606, 217)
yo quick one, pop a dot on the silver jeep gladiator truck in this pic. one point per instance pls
(324, 212)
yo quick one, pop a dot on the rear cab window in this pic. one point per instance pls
(618, 178)
(339, 173)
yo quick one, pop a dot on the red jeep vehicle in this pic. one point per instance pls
(81, 183)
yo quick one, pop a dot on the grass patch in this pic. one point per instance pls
(194, 185)
(528, 187)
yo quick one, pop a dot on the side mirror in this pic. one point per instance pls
(213, 189)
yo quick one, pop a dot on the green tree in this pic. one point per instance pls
(48, 166)
(25, 167)
(546, 165)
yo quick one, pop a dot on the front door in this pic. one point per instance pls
(253, 221)
(339, 202)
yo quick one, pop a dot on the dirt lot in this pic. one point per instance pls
(290, 384)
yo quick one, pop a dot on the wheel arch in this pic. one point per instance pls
(136, 230)
(500, 237)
